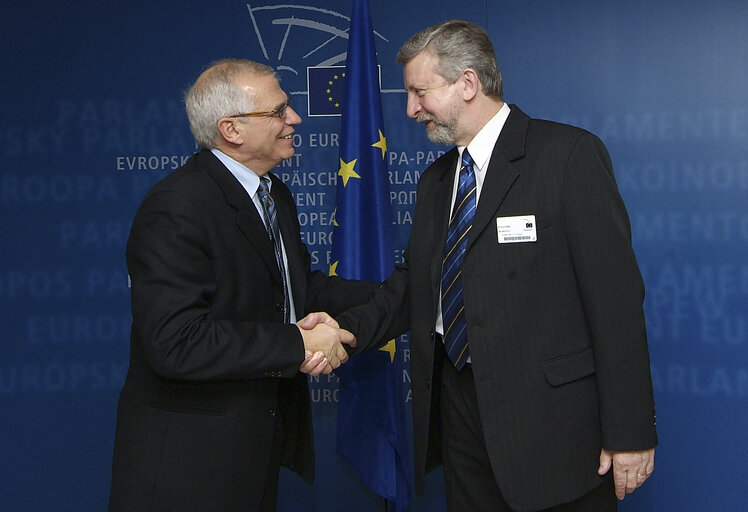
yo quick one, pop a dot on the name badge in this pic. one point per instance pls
(520, 228)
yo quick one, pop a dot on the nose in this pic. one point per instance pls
(292, 117)
(413, 107)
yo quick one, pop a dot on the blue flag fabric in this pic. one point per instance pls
(371, 431)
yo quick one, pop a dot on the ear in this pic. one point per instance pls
(472, 85)
(227, 129)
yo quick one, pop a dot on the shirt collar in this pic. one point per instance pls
(248, 179)
(482, 145)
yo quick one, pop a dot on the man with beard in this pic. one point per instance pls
(529, 360)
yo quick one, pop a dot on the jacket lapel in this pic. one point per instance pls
(501, 173)
(247, 218)
(441, 213)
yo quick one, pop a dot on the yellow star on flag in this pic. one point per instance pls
(381, 143)
(333, 268)
(389, 347)
(347, 172)
(335, 217)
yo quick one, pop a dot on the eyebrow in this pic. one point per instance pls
(287, 101)
(419, 89)
(278, 106)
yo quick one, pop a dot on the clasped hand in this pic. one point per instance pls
(323, 343)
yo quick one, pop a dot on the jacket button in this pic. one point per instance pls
(279, 307)
(273, 412)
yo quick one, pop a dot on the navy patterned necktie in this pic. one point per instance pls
(453, 307)
(271, 224)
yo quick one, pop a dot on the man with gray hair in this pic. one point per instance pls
(216, 399)
(529, 360)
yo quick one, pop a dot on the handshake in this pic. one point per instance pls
(323, 343)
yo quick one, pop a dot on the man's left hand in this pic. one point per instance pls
(630, 469)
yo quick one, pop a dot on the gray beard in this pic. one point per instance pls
(441, 134)
(443, 131)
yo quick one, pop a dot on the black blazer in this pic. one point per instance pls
(210, 354)
(556, 327)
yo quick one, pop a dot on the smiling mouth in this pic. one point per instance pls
(287, 137)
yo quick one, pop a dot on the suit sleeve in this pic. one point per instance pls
(388, 313)
(612, 290)
(385, 316)
(173, 267)
(334, 294)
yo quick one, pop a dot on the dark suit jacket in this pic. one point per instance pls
(211, 361)
(556, 327)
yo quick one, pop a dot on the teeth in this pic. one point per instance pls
(287, 136)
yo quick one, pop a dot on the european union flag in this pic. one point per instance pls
(326, 88)
(371, 433)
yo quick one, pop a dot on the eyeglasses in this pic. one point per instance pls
(279, 112)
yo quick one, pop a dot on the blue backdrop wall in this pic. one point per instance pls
(92, 116)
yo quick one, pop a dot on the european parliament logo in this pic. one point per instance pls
(291, 37)
(326, 86)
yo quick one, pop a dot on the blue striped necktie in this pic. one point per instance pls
(453, 307)
(271, 224)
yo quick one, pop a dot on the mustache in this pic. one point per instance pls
(425, 118)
